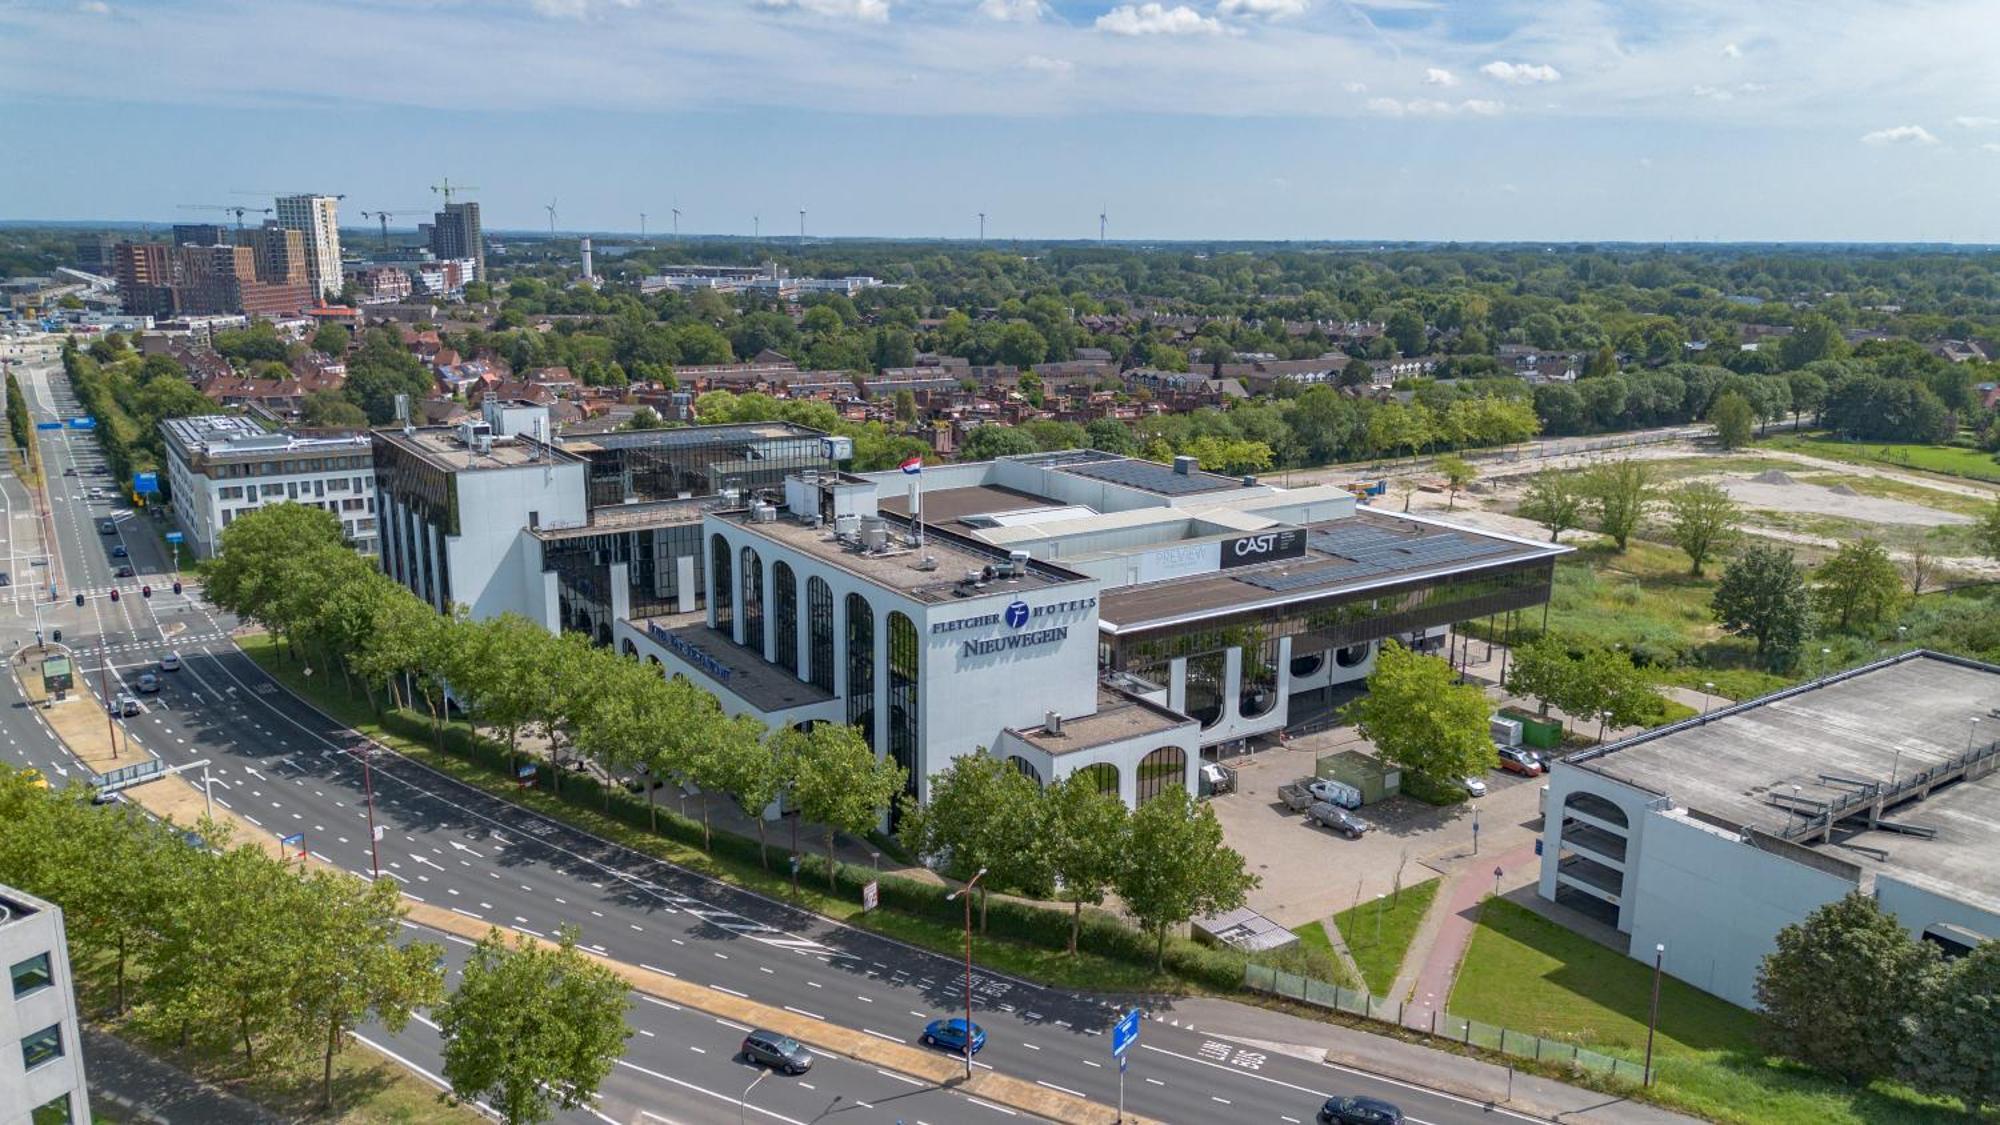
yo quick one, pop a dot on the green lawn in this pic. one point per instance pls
(1378, 933)
(1528, 974)
(1948, 460)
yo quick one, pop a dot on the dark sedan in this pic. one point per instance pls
(1359, 1111)
(779, 1052)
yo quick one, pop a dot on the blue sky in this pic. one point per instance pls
(1303, 119)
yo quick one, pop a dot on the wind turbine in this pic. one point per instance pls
(982, 226)
(757, 226)
(802, 225)
(642, 226)
(550, 207)
(1101, 220)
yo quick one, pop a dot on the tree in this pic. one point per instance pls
(1733, 418)
(1954, 1035)
(840, 785)
(1763, 594)
(1986, 530)
(1858, 586)
(906, 405)
(1457, 474)
(982, 814)
(1421, 718)
(1836, 990)
(758, 773)
(350, 965)
(1920, 564)
(1619, 494)
(332, 339)
(1701, 518)
(645, 418)
(1815, 338)
(328, 409)
(1177, 866)
(1111, 436)
(1555, 500)
(532, 1028)
(1542, 670)
(1083, 831)
(986, 442)
(1406, 329)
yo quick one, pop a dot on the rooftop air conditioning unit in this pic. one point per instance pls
(1185, 466)
(1052, 722)
(1017, 563)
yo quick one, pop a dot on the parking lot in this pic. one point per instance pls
(1310, 873)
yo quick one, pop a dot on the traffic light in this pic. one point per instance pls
(79, 599)
(145, 591)
(177, 585)
(114, 595)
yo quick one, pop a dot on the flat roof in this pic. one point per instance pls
(1119, 717)
(950, 505)
(930, 573)
(440, 445)
(1151, 476)
(683, 436)
(1357, 552)
(1829, 739)
(632, 517)
(233, 436)
(755, 680)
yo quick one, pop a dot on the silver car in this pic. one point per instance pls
(1334, 818)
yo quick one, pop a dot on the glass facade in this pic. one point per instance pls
(861, 667)
(724, 591)
(697, 460)
(819, 633)
(1161, 770)
(785, 611)
(1205, 674)
(1259, 688)
(582, 565)
(1025, 768)
(753, 599)
(903, 725)
(1105, 775)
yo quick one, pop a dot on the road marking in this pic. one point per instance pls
(732, 1023)
(746, 1106)
(1156, 1081)
(894, 1075)
(732, 992)
(1064, 1089)
(657, 969)
(1224, 1101)
(803, 1012)
(879, 1035)
(991, 1106)
(1098, 1065)
(662, 1003)
(698, 1050)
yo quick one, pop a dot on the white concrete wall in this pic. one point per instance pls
(1919, 907)
(21, 1091)
(495, 563)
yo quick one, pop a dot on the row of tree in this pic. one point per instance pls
(21, 424)
(1616, 498)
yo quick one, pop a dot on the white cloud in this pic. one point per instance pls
(1439, 76)
(871, 11)
(1520, 74)
(1900, 135)
(1048, 65)
(1157, 19)
(94, 7)
(1975, 122)
(1355, 87)
(1990, 147)
(1013, 11)
(1432, 107)
(1263, 9)
(1729, 93)
(576, 9)
(1731, 51)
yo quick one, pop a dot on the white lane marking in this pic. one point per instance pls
(803, 1012)
(1063, 1089)
(738, 1102)
(732, 992)
(897, 1077)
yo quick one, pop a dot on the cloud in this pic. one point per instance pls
(1520, 74)
(1431, 107)
(1048, 65)
(94, 7)
(870, 11)
(1731, 51)
(1157, 19)
(1262, 9)
(1355, 87)
(1900, 135)
(1989, 146)
(1975, 122)
(1729, 93)
(1013, 11)
(1439, 76)
(575, 9)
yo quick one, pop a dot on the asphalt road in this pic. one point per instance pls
(287, 768)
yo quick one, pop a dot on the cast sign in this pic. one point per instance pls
(1265, 546)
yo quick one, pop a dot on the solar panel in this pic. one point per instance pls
(1152, 477)
(1368, 551)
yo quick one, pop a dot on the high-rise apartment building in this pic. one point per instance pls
(221, 280)
(145, 275)
(200, 234)
(43, 1080)
(281, 254)
(455, 234)
(316, 217)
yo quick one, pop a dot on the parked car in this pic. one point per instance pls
(70, 472)
(950, 1035)
(1333, 817)
(779, 1052)
(112, 798)
(120, 552)
(1474, 787)
(6, 579)
(171, 662)
(1521, 760)
(96, 493)
(148, 683)
(1334, 792)
(126, 705)
(1217, 778)
(1359, 1111)
(122, 572)
(107, 527)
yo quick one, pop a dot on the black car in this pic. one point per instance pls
(779, 1052)
(1359, 1111)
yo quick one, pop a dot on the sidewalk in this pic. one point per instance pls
(1488, 1084)
(147, 1089)
(1453, 916)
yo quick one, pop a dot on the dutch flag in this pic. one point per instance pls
(913, 465)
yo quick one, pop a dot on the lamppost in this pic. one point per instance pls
(1653, 1020)
(1707, 697)
(966, 893)
(368, 790)
(743, 1103)
(1825, 659)
(1971, 729)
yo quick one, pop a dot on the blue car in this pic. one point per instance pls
(950, 1035)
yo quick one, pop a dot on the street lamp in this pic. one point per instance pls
(966, 893)
(743, 1103)
(1972, 728)
(1707, 697)
(1825, 655)
(1653, 1020)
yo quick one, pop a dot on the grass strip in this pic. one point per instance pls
(1378, 933)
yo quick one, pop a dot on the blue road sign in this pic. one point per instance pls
(48, 425)
(175, 537)
(146, 484)
(1125, 1033)
(83, 423)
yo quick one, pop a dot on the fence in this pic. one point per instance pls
(1471, 1033)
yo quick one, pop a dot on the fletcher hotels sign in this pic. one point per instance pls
(1015, 619)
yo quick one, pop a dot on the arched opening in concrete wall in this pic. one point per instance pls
(1161, 770)
(1026, 768)
(1105, 775)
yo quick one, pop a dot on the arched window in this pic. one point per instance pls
(819, 633)
(1260, 680)
(785, 605)
(1303, 666)
(1025, 768)
(861, 667)
(722, 592)
(753, 600)
(903, 726)
(1106, 776)
(1352, 655)
(1163, 769)
(1590, 804)
(1204, 687)
(627, 648)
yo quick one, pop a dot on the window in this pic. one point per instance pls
(32, 975)
(1106, 776)
(903, 649)
(1303, 666)
(1163, 769)
(723, 597)
(55, 1111)
(43, 1046)
(861, 667)
(785, 603)
(753, 600)
(1260, 680)
(1025, 768)
(1204, 688)
(819, 633)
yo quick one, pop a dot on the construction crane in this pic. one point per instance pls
(229, 209)
(281, 194)
(447, 187)
(385, 216)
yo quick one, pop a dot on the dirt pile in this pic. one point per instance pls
(1773, 476)
(1842, 490)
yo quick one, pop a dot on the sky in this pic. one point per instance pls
(1558, 120)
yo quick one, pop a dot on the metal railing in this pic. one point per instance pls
(1439, 1025)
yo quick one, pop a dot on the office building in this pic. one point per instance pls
(281, 257)
(144, 272)
(200, 234)
(1709, 836)
(41, 1071)
(222, 466)
(1067, 612)
(455, 234)
(216, 280)
(317, 218)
